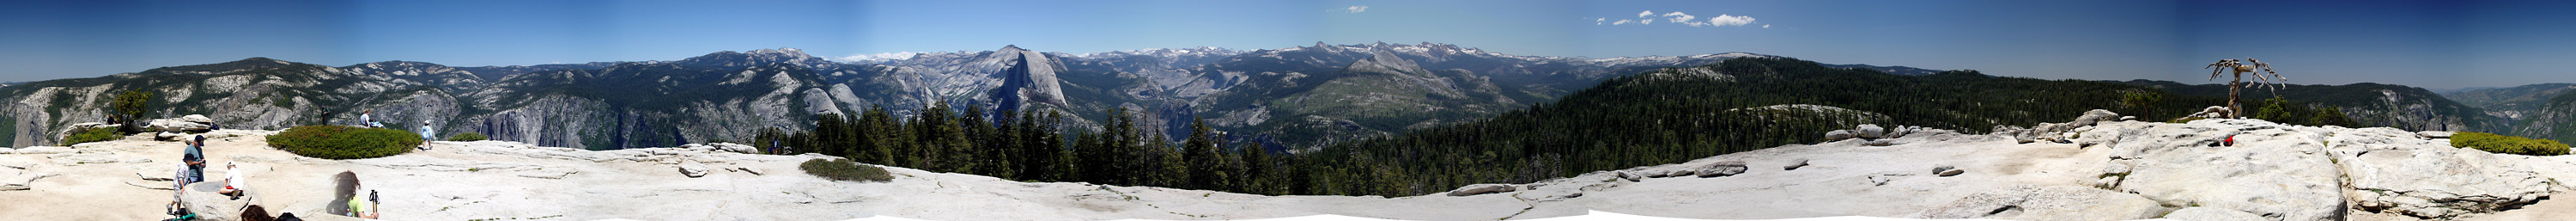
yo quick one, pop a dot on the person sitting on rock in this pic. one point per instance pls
(363, 206)
(367, 119)
(234, 185)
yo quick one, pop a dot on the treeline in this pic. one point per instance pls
(1027, 146)
(1662, 117)
(1676, 115)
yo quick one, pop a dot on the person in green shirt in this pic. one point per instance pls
(363, 206)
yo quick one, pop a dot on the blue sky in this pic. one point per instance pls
(2436, 44)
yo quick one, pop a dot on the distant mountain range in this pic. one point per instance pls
(1297, 97)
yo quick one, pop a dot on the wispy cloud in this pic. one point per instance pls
(877, 56)
(1676, 17)
(1357, 8)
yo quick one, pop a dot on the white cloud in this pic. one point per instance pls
(1679, 18)
(1766, 26)
(1676, 17)
(1357, 8)
(1730, 20)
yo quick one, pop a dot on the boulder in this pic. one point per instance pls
(693, 169)
(1946, 170)
(733, 147)
(2025, 202)
(174, 125)
(1837, 135)
(2391, 172)
(196, 118)
(1631, 177)
(200, 198)
(1722, 168)
(2211, 112)
(1481, 189)
(1870, 131)
(1795, 164)
(169, 136)
(1667, 172)
(2212, 214)
(2436, 134)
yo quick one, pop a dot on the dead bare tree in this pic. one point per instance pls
(2240, 68)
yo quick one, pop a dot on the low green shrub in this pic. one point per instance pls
(2493, 143)
(468, 136)
(344, 142)
(845, 170)
(85, 135)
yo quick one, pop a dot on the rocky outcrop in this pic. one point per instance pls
(2047, 203)
(2390, 173)
(1722, 168)
(1482, 189)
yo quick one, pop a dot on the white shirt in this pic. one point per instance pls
(233, 178)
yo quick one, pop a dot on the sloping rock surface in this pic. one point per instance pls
(2103, 170)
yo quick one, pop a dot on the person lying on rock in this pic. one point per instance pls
(234, 185)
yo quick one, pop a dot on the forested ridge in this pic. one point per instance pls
(1658, 117)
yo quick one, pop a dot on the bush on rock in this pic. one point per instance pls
(844, 170)
(469, 136)
(2493, 143)
(344, 142)
(91, 135)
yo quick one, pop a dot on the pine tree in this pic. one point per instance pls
(1201, 157)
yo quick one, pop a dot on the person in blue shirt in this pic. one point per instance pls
(426, 135)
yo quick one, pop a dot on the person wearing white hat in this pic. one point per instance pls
(234, 185)
(426, 135)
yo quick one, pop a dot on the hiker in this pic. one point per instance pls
(178, 188)
(426, 135)
(234, 185)
(195, 158)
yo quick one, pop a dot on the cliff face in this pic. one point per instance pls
(1265, 96)
(256, 93)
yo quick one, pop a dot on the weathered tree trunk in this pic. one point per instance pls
(2232, 85)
